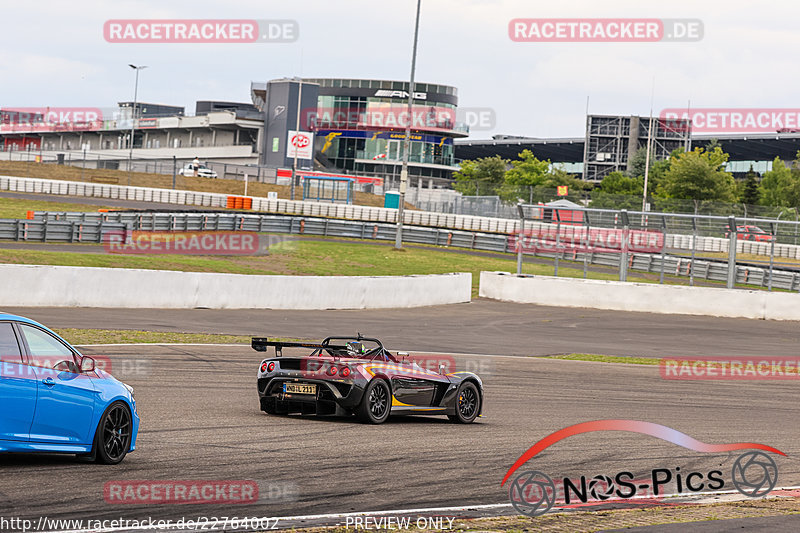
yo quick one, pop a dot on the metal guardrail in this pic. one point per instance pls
(57, 231)
(90, 227)
(702, 233)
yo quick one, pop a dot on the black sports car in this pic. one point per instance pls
(356, 375)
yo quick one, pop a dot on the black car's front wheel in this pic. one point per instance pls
(376, 403)
(113, 437)
(468, 403)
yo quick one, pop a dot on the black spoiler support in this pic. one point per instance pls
(260, 344)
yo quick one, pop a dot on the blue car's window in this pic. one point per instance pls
(9, 348)
(47, 351)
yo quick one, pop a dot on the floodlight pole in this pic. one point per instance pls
(296, 134)
(133, 118)
(649, 145)
(398, 242)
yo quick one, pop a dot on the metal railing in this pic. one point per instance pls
(573, 228)
(91, 227)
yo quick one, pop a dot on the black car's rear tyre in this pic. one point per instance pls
(112, 440)
(376, 404)
(468, 403)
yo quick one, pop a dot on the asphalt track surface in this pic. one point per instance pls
(201, 418)
(481, 326)
(201, 422)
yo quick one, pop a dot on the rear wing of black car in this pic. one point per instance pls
(260, 344)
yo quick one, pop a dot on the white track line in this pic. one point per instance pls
(425, 510)
(241, 345)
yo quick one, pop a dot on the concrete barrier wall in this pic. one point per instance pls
(644, 297)
(60, 286)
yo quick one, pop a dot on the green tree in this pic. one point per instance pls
(481, 177)
(657, 169)
(619, 183)
(699, 175)
(780, 187)
(637, 162)
(619, 191)
(526, 173)
(750, 193)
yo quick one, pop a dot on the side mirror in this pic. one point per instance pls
(87, 364)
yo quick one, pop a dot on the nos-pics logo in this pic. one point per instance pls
(533, 493)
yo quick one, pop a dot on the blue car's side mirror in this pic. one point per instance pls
(87, 364)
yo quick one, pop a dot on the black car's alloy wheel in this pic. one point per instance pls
(113, 438)
(377, 402)
(468, 403)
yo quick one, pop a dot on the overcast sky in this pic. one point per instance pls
(54, 54)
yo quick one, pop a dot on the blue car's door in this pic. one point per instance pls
(66, 402)
(18, 388)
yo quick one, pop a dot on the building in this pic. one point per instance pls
(358, 126)
(612, 141)
(226, 132)
(351, 126)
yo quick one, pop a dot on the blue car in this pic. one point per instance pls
(55, 400)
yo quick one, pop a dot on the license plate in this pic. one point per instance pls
(299, 388)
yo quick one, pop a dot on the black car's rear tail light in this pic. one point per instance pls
(271, 367)
(332, 370)
(345, 372)
(264, 367)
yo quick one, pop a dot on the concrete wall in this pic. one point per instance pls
(645, 297)
(59, 286)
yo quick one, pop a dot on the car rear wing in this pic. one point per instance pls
(260, 344)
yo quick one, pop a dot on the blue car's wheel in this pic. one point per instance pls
(376, 403)
(113, 437)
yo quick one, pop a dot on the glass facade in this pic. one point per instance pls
(359, 131)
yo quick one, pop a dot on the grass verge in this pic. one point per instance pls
(160, 181)
(598, 358)
(123, 336)
(309, 258)
(18, 208)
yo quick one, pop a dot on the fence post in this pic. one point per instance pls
(558, 241)
(520, 236)
(663, 248)
(773, 230)
(732, 238)
(623, 256)
(586, 249)
(174, 170)
(694, 247)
